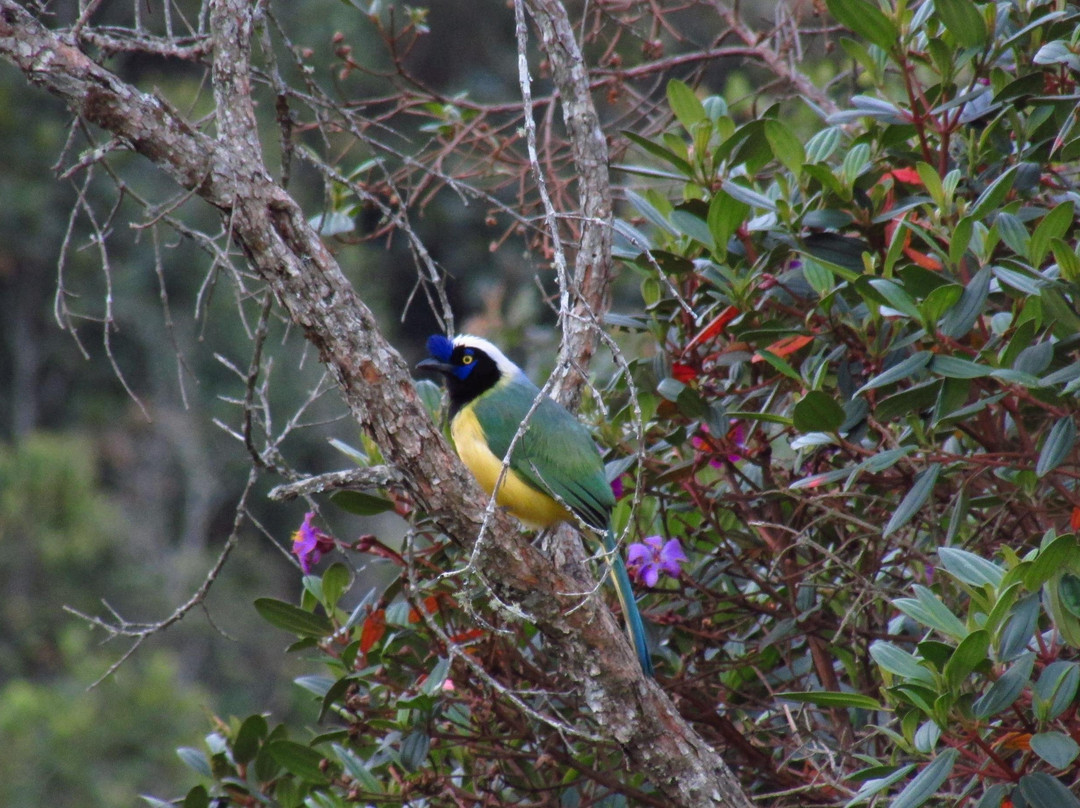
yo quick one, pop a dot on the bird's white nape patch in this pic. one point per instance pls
(506, 367)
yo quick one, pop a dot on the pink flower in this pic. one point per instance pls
(735, 437)
(309, 544)
(646, 560)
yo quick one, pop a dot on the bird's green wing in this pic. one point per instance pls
(556, 455)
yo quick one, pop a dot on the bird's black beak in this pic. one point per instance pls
(434, 364)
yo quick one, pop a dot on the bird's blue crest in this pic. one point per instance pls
(440, 347)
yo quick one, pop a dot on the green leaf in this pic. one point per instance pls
(963, 20)
(787, 148)
(993, 194)
(1006, 689)
(685, 104)
(414, 749)
(356, 769)
(939, 302)
(913, 500)
(434, 681)
(1056, 689)
(959, 321)
(1069, 592)
(897, 297)
(828, 698)
(823, 143)
(901, 370)
(887, 459)
(877, 785)
(748, 196)
(360, 503)
(670, 388)
(927, 609)
(1052, 558)
(430, 396)
(842, 254)
(248, 739)
(818, 412)
(969, 654)
(927, 737)
(1043, 791)
(824, 478)
(866, 20)
(955, 368)
(1059, 442)
(927, 782)
(335, 581)
(293, 618)
(1053, 226)
(357, 455)
(195, 760)
(1056, 748)
(333, 223)
(969, 568)
(693, 226)
(303, 761)
(198, 797)
(650, 212)
(1035, 358)
(1020, 628)
(1057, 52)
(724, 217)
(315, 684)
(1014, 233)
(661, 152)
(961, 239)
(1062, 311)
(780, 364)
(899, 662)
(154, 802)
(1067, 259)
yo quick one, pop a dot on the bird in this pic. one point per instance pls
(555, 473)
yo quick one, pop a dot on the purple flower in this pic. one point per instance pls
(309, 544)
(617, 488)
(646, 560)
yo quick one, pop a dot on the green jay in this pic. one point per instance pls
(555, 473)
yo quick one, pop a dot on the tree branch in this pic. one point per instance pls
(591, 294)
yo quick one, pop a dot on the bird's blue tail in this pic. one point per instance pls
(629, 605)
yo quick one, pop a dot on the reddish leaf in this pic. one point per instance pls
(1015, 740)
(1074, 519)
(467, 636)
(431, 603)
(373, 630)
(922, 259)
(715, 326)
(787, 345)
(682, 372)
(908, 175)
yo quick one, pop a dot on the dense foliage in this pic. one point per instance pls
(849, 390)
(842, 377)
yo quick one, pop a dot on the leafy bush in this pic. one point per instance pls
(854, 370)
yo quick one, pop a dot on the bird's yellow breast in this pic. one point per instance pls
(535, 508)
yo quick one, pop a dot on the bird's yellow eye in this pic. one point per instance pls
(466, 359)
